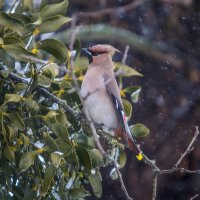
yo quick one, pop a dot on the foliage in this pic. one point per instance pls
(45, 153)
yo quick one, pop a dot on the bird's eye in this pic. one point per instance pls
(97, 53)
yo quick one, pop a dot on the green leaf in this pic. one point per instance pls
(43, 81)
(30, 194)
(95, 182)
(54, 47)
(126, 70)
(78, 193)
(85, 141)
(134, 92)
(12, 98)
(27, 160)
(50, 117)
(120, 157)
(127, 108)
(64, 84)
(50, 144)
(9, 154)
(12, 131)
(2, 128)
(96, 157)
(20, 53)
(139, 130)
(20, 87)
(48, 178)
(84, 159)
(21, 17)
(12, 23)
(13, 40)
(31, 103)
(56, 158)
(61, 131)
(15, 120)
(54, 9)
(50, 70)
(113, 174)
(28, 5)
(26, 141)
(7, 60)
(1, 3)
(52, 24)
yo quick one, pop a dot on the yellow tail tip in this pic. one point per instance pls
(139, 156)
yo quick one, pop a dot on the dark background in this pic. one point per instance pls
(170, 99)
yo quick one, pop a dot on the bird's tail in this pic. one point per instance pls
(126, 136)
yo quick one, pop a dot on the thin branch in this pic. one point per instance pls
(194, 197)
(182, 170)
(122, 182)
(155, 185)
(181, 2)
(189, 148)
(111, 11)
(125, 54)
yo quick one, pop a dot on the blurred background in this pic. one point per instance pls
(164, 46)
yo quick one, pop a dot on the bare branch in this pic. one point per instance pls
(121, 181)
(125, 54)
(182, 170)
(189, 148)
(194, 197)
(111, 11)
(155, 184)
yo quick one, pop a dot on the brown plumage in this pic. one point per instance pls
(101, 92)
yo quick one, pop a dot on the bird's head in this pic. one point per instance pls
(99, 51)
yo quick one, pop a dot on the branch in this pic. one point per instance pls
(46, 93)
(183, 170)
(155, 184)
(159, 51)
(194, 197)
(110, 11)
(121, 181)
(189, 148)
(158, 172)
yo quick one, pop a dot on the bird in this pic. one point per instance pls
(101, 94)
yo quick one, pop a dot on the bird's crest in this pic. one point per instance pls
(104, 48)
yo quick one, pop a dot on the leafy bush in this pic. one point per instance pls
(46, 148)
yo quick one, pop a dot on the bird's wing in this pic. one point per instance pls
(114, 93)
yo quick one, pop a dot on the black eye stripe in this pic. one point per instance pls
(97, 53)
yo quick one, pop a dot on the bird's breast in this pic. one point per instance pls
(98, 103)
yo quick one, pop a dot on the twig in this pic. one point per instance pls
(181, 2)
(189, 148)
(111, 11)
(125, 54)
(121, 181)
(155, 184)
(194, 197)
(182, 170)
(157, 171)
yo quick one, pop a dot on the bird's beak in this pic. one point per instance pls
(86, 52)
